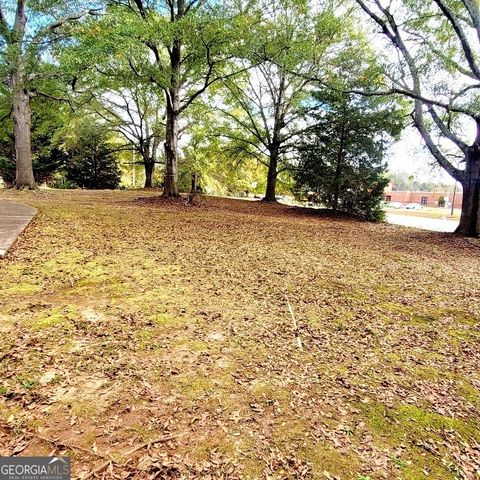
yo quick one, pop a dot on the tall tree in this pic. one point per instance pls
(47, 120)
(135, 113)
(439, 68)
(223, 167)
(267, 109)
(265, 118)
(189, 47)
(22, 43)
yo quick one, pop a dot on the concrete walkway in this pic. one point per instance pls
(424, 223)
(14, 218)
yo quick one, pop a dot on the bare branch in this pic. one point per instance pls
(416, 96)
(446, 132)
(71, 18)
(473, 11)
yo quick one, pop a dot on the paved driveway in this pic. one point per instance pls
(13, 220)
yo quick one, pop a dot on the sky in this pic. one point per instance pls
(410, 155)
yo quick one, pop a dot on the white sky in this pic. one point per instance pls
(410, 155)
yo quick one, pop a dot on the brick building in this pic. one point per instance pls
(427, 199)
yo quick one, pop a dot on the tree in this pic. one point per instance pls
(92, 162)
(22, 46)
(265, 118)
(134, 112)
(130, 107)
(47, 121)
(267, 109)
(439, 70)
(182, 47)
(341, 162)
(223, 168)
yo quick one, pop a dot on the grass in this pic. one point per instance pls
(125, 318)
(427, 212)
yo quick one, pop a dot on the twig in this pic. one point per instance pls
(105, 464)
(295, 325)
(59, 444)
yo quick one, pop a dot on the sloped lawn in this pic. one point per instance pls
(148, 339)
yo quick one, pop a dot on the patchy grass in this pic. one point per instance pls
(438, 213)
(126, 318)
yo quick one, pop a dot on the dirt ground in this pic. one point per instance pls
(148, 339)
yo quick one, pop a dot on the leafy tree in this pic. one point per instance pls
(182, 47)
(92, 163)
(341, 162)
(439, 69)
(223, 168)
(47, 121)
(266, 109)
(22, 44)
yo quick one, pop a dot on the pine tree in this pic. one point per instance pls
(341, 159)
(91, 162)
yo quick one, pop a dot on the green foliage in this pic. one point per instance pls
(266, 108)
(91, 161)
(124, 37)
(48, 119)
(48, 23)
(224, 168)
(341, 159)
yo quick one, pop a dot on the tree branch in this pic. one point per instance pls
(71, 18)
(395, 37)
(462, 37)
(4, 30)
(446, 132)
(20, 19)
(473, 11)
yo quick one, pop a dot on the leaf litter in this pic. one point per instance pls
(149, 340)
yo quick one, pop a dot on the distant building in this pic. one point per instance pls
(427, 199)
(458, 199)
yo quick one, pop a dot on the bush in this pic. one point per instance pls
(91, 162)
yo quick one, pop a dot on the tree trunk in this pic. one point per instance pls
(21, 100)
(173, 112)
(23, 149)
(339, 166)
(270, 194)
(149, 167)
(170, 188)
(470, 218)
